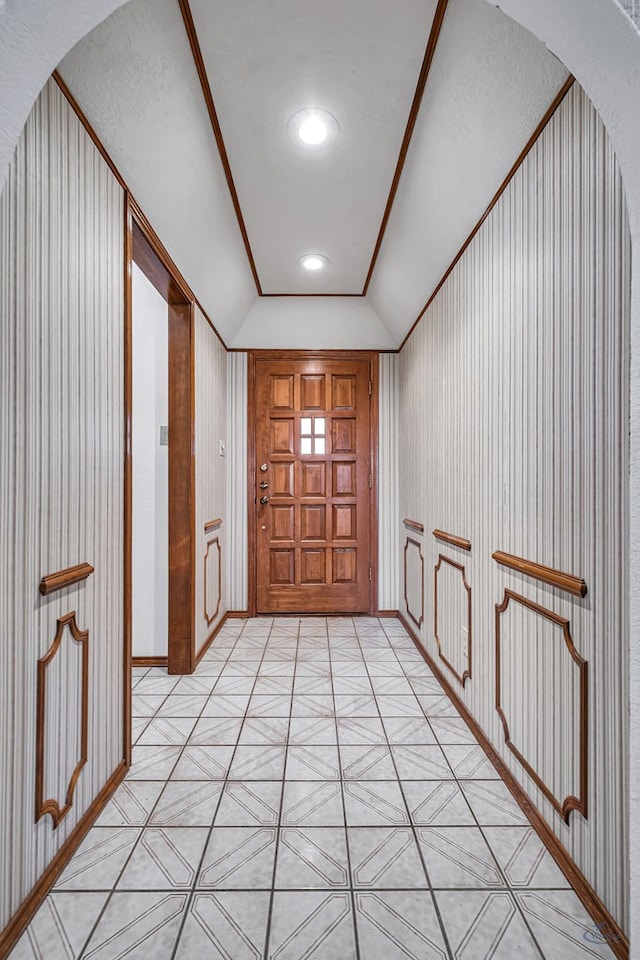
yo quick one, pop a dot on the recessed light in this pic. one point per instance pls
(313, 127)
(313, 261)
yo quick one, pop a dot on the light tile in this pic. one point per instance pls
(308, 730)
(131, 804)
(225, 706)
(139, 927)
(458, 857)
(361, 730)
(374, 803)
(61, 927)
(348, 686)
(252, 804)
(240, 858)
(391, 686)
(98, 861)
(385, 668)
(146, 706)
(408, 730)
(152, 763)
(524, 859)
(486, 925)
(312, 924)
(269, 730)
(563, 928)
(182, 707)
(321, 706)
(385, 857)
(452, 730)
(312, 762)
(138, 726)
(268, 686)
(273, 706)
(312, 803)
(194, 686)
(367, 762)
(165, 858)
(216, 731)
(398, 925)
(258, 763)
(425, 686)
(312, 857)
(421, 762)
(437, 803)
(275, 668)
(156, 686)
(311, 685)
(234, 686)
(225, 925)
(356, 706)
(392, 706)
(167, 730)
(187, 803)
(470, 762)
(492, 803)
(437, 706)
(203, 763)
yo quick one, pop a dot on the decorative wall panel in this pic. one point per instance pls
(63, 705)
(237, 553)
(211, 476)
(389, 543)
(513, 427)
(452, 617)
(61, 478)
(554, 675)
(414, 580)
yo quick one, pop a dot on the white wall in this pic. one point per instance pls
(514, 434)
(238, 557)
(150, 470)
(61, 477)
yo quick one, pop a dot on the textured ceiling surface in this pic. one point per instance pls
(489, 85)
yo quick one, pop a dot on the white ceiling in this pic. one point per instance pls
(489, 85)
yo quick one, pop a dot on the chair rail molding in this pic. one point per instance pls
(555, 578)
(578, 799)
(65, 578)
(465, 674)
(58, 808)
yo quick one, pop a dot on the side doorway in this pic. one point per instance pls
(170, 520)
(312, 482)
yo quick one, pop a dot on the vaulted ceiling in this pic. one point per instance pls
(434, 102)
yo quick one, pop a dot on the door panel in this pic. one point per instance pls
(313, 434)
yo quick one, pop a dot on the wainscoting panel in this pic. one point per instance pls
(61, 485)
(237, 554)
(543, 696)
(452, 615)
(414, 580)
(513, 434)
(211, 478)
(389, 543)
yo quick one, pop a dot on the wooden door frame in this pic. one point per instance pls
(252, 357)
(144, 248)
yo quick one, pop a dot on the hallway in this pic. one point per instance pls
(310, 772)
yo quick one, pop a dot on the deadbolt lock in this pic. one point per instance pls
(263, 467)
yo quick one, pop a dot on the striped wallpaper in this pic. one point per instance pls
(211, 478)
(61, 476)
(513, 416)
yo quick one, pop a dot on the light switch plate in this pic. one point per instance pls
(164, 436)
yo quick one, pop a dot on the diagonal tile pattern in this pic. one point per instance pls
(310, 792)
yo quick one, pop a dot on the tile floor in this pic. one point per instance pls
(308, 793)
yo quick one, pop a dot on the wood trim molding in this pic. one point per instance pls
(557, 100)
(65, 578)
(58, 809)
(616, 937)
(127, 485)
(432, 42)
(566, 806)
(230, 614)
(30, 905)
(466, 674)
(418, 621)
(414, 525)
(213, 525)
(130, 203)
(148, 661)
(215, 542)
(198, 59)
(452, 539)
(555, 578)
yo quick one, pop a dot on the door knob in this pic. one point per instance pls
(264, 499)
(264, 485)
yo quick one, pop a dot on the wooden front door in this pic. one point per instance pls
(313, 485)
